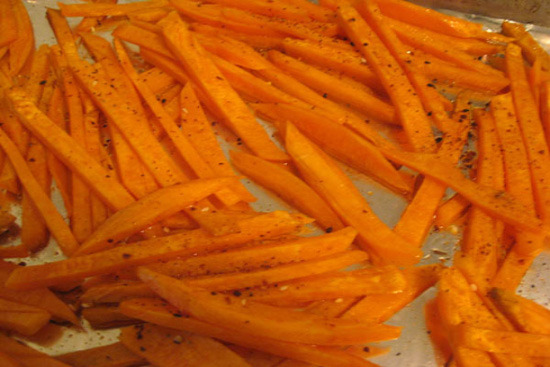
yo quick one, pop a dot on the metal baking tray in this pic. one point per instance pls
(413, 348)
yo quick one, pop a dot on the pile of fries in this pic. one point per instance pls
(157, 229)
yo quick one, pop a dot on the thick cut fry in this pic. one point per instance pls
(219, 92)
(158, 312)
(27, 356)
(113, 355)
(376, 280)
(23, 319)
(159, 205)
(23, 47)
(531, 130)
(260, 256)
(101, 10)
(196, 126)
(332, 88)
(261, 320)
(143, 38)
(145, 252)
(321, 265)
(57, 226)
(503, 341)
(530, 47)
(76, 158)
(408, 106)
(438, 337)
(289, 187)
(41, 297)
(496, 202)
(333, 185)
(173, 348)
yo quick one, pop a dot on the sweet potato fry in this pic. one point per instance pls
(145, 252)
(339, 141)
(531, 130)
(259, 256)
(530, 47)
(281, 273)
(100, 10)
(158, 312)
(255, 318)
(256, 41)
(219, 92)
(75, 157)
(112, 355)
(335, 89)
(334, 186)
(23, 319)
(196, 126)
(526, 315)
(324, 55)
(8, 30)
(168, 347)
(116, 292)
(9, 361)
(133, 127)
(378, 308)
(25, 355)
(41, 297)
(408, 106)
(150, 209)
(106, 317)
(57, 226)
(289, 187)
(277, 9)
(511, 342)
(496, 202)
(451, 211)
(22, 48)
(184, 147)
(375, 280)
(429, 19)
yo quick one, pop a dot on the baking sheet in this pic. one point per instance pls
(413, 349)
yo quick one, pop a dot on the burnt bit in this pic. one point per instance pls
(329, 230)
(237, 293)
(126, 256)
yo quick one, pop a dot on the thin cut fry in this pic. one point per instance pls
(166, 347)
(113, 355)
(75, 157)
(145, 252)
(23, 319)
(156, 206)
(227, 102)
(332, 184)
(289, 187)
(57, 226)
(23, 47)
(100, 10)
(260, 320)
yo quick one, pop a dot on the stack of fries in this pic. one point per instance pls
(160, 238)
